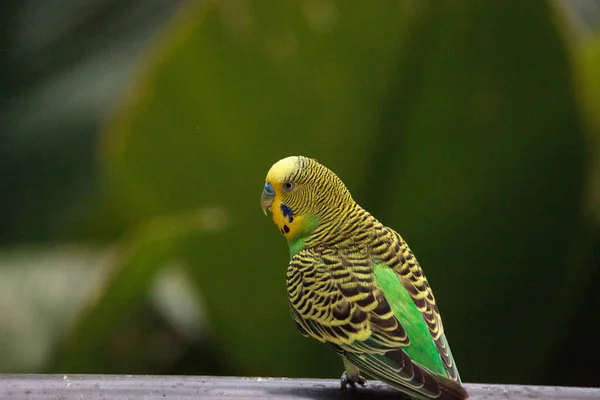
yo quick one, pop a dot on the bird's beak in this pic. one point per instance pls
(266, 200)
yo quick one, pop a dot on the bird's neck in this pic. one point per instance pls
(302, 230)
(341, 230)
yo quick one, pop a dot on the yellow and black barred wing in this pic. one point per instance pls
(334, 298)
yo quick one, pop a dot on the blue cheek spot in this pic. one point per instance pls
(287, 212)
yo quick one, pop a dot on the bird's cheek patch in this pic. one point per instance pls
(285, 218)
(287, 213)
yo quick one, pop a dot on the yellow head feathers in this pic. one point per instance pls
(302, 194)
(283, 168)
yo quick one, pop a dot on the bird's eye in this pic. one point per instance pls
(288, 186)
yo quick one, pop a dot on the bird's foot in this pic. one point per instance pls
(346, 380)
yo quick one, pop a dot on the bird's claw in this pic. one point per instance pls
(346, 380)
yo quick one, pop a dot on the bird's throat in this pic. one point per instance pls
(298, 231)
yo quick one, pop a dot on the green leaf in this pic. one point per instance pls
(452, 122)
(142, 259)
(488, 183)
(233, 88)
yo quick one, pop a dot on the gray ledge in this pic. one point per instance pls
(132, 387)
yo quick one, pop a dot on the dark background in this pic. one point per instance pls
(135, 137)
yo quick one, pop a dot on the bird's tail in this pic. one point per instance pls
(397, 370)
(451, 390)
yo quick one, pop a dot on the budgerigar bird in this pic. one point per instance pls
(355, 285)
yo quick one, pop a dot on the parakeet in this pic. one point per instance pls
(355, 285)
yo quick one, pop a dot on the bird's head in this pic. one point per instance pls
(302, 194)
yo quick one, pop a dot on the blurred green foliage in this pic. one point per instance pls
(469, 127)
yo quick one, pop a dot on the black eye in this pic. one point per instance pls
(287, 186)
